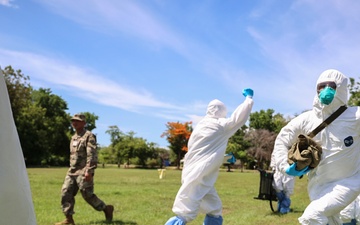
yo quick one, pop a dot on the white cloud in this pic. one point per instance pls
(297, 43)
(89, 83)
(133, 19)
(304, 40)
(119, 18)
(8, 3)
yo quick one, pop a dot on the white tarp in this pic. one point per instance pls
(16, 206)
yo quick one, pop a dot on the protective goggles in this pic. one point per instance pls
(322, 85)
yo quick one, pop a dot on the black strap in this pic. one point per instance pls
(326, 122)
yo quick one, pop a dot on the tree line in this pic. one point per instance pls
(44, 131)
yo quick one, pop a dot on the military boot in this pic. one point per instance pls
(109, 209)
(69, 220)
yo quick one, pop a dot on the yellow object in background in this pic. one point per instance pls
(162, 173)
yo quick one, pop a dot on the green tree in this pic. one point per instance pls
(127, 147)
(56, 125)
(238, 144)
(267, 120)
(116, 136)
(131, 149)
(354, 90)
(143, 150)
(19, 90)
(279, 122)
(40, 118)
(32, 134)
(26, 116)
(91, 119)
(105, 155)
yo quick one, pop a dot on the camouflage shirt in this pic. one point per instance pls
(83, 155)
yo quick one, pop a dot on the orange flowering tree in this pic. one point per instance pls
(178, 134)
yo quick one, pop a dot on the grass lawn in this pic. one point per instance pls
(141, 198)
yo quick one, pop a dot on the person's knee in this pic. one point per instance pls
(313, 216)
(213, 220)
(176, 220)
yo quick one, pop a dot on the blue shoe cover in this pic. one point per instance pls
(284, 210)
(175, 221)
(211, 220)
(285, 205)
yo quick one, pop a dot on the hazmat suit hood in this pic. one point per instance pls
(216, 109)
(341, 95)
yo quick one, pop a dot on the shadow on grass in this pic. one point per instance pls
(114, 222)
(291, 211)
(297, 211)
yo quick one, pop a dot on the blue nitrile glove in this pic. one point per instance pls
(292, 171)
(248, 92)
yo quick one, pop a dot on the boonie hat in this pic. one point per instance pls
(79, 117)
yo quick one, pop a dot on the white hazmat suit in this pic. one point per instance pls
(207, 145)
(335, 182)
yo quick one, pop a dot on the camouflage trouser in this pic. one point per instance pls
(71, 186)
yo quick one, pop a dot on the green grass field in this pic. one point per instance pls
(141, 198)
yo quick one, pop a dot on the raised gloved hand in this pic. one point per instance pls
(248, 92)
(292, 171)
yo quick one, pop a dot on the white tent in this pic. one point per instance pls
(16, 206)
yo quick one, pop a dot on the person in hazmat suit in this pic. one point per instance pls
(335, 182)
(206, 149)
(284, 187)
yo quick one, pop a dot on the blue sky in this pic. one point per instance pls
(140, 64)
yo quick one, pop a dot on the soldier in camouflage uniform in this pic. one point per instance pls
(83, 162)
